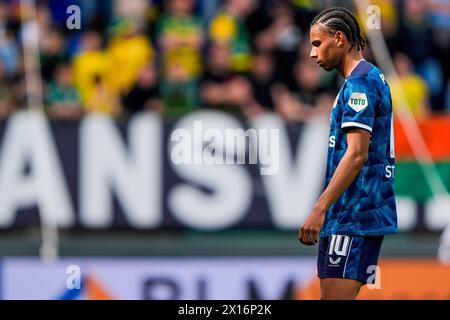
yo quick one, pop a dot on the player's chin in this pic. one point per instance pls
(326, 67)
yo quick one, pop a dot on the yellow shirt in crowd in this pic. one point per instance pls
(415, 90)
(127, 56)
(117, 69)
(227, 29)
(86, 66)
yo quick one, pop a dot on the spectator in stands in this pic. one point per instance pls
(228, 27)
(412, 86)
(221, 87)
(145, 93)
(440, 23)
(103, 100)
(308, 98)
(181, 37)
(305, 12)
(282, 37)
(52, 54)
(128, 51)
(389, 24)
(262, 79)
(89, 63)
(173, 79)
(9, 51)
(258, 20)
(179, 92)
(136, 10)
(417, 43)
(6, 102)
(62, 97)
(44, 20)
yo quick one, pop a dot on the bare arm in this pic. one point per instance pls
(348, 169)
(439, 6)
(213, 93)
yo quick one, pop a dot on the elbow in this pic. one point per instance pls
(359, 159)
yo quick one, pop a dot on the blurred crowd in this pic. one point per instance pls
(241, 56)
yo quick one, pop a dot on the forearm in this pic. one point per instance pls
(213, 94)
(347, 170)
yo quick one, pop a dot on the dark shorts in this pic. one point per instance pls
(349, 257)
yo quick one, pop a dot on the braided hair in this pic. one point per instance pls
(341, 19)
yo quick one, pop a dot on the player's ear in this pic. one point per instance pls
(339, 38)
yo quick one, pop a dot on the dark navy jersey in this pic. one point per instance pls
(367, 207)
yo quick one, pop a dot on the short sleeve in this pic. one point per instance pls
(361, 100)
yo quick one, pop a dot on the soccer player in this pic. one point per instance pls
(357, 207)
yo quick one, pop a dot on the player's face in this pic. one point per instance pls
(324, 48)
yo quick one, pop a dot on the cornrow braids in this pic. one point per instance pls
(341, 19)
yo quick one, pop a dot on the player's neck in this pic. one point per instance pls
(349, 63)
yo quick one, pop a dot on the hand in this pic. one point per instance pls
(239, 91)
(309, 231)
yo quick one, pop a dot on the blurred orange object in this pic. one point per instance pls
(401, 279)
(436, 132)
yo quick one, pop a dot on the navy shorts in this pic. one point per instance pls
(349, 257)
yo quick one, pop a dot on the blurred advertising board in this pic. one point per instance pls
(266, 278)
(155, 278)
(98, 173)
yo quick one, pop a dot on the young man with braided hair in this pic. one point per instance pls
(357, 207)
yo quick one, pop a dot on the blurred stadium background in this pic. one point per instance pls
(93, 207)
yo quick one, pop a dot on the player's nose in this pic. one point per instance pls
(313, 53)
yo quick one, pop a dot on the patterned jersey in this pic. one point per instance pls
(367, 207)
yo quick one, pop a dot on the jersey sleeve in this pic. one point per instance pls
(361, 100)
